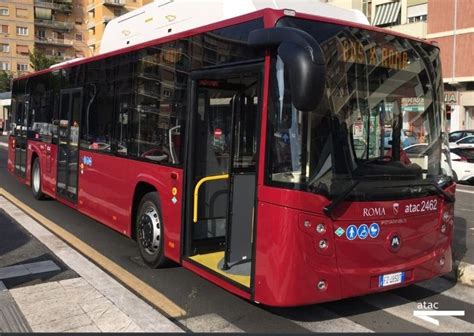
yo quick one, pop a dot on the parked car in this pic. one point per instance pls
(418, 153)
(462, 162)
(464, 142)
(458, 135)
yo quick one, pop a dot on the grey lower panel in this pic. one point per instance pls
(239, 240)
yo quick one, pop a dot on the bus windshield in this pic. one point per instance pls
(380, 118)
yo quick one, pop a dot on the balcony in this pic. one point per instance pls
(118, 3)
(91, 24)
(60, 7)
(91, 41)
(90, 7)
(67, 26)
(53, 41)
(59, 58)
(108, 18)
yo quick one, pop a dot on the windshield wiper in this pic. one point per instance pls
(331, 206)
(440, 191)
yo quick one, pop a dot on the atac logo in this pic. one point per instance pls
(396, 206)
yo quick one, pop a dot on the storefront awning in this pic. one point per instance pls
(386, 13)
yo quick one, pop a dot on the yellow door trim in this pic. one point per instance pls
(196, 191)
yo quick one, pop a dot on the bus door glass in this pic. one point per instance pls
(21, 134)
(223, 181)
(68, 136)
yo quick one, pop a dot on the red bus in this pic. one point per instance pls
(254, 152)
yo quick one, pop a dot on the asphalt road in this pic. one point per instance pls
(210, 308)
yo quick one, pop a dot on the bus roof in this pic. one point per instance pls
(167, 17)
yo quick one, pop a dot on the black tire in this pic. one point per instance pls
(36, 180)
(150, 230)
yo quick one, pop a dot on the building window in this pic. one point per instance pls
(21, 67)
(4, 11)
(22, 49)
(78, 20)
(367, 8)
(22, 31)
(4, 47)
(387, 14)
(41, 34)
(4, 29)
(21, 12)
(78, 37)
(4, 66)
(417, 13)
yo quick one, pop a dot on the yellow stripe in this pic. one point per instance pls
(150, 294)
(196, 191)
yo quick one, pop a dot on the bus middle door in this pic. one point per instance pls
(222, 177)
(68, 143)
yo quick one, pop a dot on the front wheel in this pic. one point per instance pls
(36, 180)
(149, 229)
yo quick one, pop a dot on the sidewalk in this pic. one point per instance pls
(46, 286)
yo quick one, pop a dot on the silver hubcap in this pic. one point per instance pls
(36, 179)
(149, 230)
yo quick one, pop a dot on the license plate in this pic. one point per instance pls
(391, 279)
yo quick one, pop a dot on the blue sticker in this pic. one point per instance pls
(351, 232)
(87, 160)
(374, 230)
(286, 138)
(363, 231)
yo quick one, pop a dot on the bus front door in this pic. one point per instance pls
(21, 135)
(68, 144)
(222, 174)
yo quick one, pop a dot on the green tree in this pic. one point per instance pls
(5, 81)
(38, 61)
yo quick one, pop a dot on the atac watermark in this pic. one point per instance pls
(427, 310)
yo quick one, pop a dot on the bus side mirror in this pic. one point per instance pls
(303, 57)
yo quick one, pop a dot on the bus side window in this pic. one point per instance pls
(97, 118)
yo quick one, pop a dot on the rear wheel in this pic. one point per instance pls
(149, 230)
(36, 180)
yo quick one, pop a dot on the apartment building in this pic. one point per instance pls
(60, 29)
(16, 35)
(100, 12)
(451, 25)
(404, 16)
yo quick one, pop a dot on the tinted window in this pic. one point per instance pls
(415, 149)
(159, 114)
(468, 140)
(97, 119)
(42, 106)
(455, 136)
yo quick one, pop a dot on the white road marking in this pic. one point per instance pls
(449, 289)
(209, 323)
(465, 191)
(403, 308)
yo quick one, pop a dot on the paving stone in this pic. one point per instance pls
(13, 271)
(63, 324)
(42, 267)
(87, 328)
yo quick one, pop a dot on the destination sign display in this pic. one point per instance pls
(352, 51)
